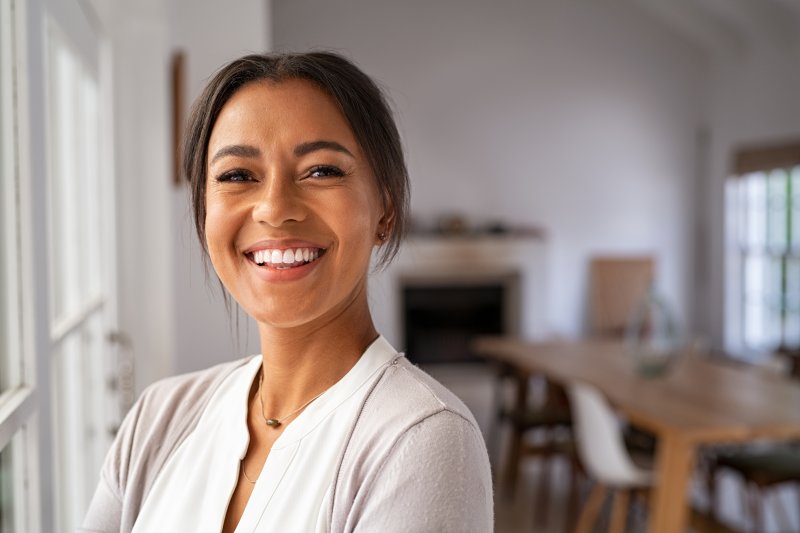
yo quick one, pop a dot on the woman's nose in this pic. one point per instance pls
(279, 201)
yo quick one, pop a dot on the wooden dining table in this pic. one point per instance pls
(700, 401)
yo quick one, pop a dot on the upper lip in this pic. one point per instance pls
(281, 244)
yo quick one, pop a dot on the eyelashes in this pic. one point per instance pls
(234, 176)
(315, 172)
(326, 171)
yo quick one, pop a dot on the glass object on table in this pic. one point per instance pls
(652, 336)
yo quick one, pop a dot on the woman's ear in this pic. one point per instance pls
(385, 225)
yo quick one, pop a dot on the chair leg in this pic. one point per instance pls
(543, 492)
(711, 489)
(591, 509)
(619, 511)
(496, 427)
(512, 462)
(574, 493)
(515, 445)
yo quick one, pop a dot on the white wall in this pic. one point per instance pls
(577, 116)
(141, 90)
(212, 33)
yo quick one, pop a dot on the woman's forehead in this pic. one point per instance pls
(292, 110)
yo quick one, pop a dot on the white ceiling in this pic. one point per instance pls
(719, 28)
(725, 27)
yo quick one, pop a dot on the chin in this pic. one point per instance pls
(279, 316)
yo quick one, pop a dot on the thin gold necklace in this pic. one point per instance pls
(276, 422)
(252, 481)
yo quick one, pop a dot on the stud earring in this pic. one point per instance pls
(382, 236)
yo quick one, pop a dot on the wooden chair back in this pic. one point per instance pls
(617, 285)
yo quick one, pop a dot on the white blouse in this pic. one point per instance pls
(292, 493)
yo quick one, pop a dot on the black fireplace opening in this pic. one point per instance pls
(441, 320)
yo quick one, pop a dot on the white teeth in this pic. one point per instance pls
(286, 257)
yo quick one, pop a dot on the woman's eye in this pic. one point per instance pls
(235, 176)
(326, 171)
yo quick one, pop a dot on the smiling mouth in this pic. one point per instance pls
(285, 259)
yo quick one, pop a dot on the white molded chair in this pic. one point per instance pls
(602, 451)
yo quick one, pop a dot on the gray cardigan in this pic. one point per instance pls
(414, 460)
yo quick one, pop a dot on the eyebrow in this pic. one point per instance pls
(313, 146)
(237, 150)
(245, 150)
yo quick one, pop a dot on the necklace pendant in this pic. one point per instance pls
(273, 422)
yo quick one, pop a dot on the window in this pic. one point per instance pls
(763, 219)
(85, 403)
(58, 322)
(17, 445)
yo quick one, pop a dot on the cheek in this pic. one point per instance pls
(358, 218)
(213, 224)
(219, 238)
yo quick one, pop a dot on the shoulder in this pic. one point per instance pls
(413, 432)
(406, 395)
(407, 400)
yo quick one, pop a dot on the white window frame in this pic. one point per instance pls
(18, 403)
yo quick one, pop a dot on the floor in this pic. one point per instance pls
(474, 385)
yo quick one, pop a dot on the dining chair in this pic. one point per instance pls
(760, 468)
(601, 448)
(761, 471)
(548, 420)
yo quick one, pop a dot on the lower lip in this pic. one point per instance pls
(274, 275)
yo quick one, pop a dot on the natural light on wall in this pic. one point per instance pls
(764, 237)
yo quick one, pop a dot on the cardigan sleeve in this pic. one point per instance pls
(159, 421)
(435, 478)
(105, 511)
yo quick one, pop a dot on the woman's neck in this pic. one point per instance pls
(301, 362)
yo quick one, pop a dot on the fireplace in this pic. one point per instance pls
(441, 315)
(437, 276)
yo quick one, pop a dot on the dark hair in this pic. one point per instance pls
(360, 100)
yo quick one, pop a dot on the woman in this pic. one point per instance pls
(297, 176)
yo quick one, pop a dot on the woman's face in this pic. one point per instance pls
(292, 208)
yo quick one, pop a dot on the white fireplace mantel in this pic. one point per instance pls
(463, 260)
